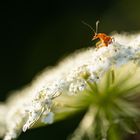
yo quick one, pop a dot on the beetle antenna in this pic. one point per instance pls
(89, 26)
(97, 25)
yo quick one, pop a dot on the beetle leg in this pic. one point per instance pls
(99, 44)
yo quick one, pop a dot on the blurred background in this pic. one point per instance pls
(37, 34)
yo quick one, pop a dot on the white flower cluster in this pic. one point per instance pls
(34, 102)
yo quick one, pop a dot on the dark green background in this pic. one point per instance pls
(36, 34)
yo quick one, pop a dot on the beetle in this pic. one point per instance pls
(104, 40)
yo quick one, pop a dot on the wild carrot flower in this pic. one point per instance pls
(103, 81)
